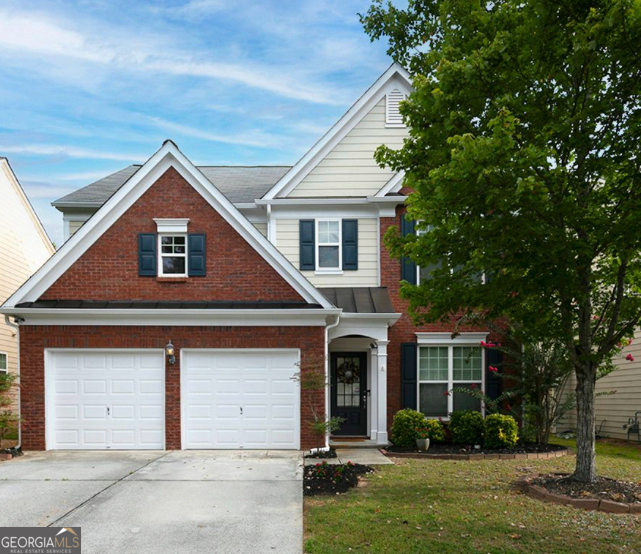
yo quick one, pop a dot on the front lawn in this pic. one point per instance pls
(444, 507)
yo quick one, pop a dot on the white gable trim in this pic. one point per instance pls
(395, 184)
(168, 156)
(396, 77)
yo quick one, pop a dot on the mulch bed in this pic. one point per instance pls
(323, 454)
(324, 478)
(602, 488)
(449, 448)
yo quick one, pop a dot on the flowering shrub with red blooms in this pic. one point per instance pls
(432, 430)
(446, 393)
(329, 471)
(493, 369)
(630, 358)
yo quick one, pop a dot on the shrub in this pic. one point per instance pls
(467, 427)
(501, 431)
(432, 430)
(404, 427)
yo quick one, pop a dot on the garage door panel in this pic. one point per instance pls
(115, 400)
(242, 404)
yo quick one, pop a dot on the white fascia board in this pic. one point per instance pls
(320, 201)
(250, 318)
(446, 338)
(395, 77)
(393, 185)
(167, 156)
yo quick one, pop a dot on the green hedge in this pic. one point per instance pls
(467, 427)
(404, 427)
(501, 431)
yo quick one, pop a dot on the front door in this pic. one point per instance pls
(349, 391)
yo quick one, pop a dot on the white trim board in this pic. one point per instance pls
(168, 156)
(396, 77)
(446, 339)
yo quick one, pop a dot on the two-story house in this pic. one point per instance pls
(187, 299)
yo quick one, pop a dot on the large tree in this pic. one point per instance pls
(524, 155)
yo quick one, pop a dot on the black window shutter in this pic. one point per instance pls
(493, 358)
(147, 254)
(409, 374)
(307, 244)
(350, 244)
(408, 267)
(197, 255)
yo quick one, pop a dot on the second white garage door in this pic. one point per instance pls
(240, 398)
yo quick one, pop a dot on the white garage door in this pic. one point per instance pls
(105, 400)
(241, 398)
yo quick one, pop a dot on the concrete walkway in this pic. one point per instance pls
(144, 502)
(364, 456)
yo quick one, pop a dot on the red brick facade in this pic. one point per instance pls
(109, 268)
(35, 339)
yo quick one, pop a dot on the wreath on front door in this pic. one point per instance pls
(347, 372)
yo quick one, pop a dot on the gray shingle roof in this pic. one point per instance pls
(237, 183)
(360, 300)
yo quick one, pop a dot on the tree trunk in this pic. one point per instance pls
(585, 470)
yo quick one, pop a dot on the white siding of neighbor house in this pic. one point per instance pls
(24, 249)
(261, 226)
(349, 168)
(615, 409)
(74, 226)
(287, 241)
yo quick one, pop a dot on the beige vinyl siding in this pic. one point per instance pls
(23, 248)
(262, 227)
(74, 226)
(366, 275)
(349, 168)
(615, 409)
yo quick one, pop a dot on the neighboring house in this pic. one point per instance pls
(619, 396)
(25, 247)
(252, 274)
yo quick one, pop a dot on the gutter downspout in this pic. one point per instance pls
(327, 376)
(17, 328)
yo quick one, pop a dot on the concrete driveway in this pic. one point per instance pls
(196, 501)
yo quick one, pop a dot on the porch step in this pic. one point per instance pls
(341, 443)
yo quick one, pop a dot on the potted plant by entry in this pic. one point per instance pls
(423, 439)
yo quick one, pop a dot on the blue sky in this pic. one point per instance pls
(90, 86)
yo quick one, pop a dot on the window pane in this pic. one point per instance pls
(328, 256)
(332, 228)
(172, 264)
(432, 399)
(323, 232)
(165, 240)
(179, 240)
(433, 363)
(3, 362)
(467, 363)
(463, 401)
(178, 249)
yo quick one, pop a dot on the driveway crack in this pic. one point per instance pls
(75, 508)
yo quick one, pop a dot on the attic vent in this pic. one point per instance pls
(393, 117)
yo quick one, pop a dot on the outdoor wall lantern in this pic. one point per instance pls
(169, 350)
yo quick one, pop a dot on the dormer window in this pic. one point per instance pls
(393, 117)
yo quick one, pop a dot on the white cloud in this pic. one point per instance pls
(68, 151)
(40, 35)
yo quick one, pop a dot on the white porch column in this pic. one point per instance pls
(372, 403)
(381, 392)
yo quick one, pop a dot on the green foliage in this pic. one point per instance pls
(8, 419)
(431, 429)
(405, 426)
(501, 431)
(524, 149)
(467, 427)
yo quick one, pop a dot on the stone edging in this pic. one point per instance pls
(475, 457)
(595, 504)
(5, 456)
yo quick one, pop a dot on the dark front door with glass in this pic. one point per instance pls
(349, 392)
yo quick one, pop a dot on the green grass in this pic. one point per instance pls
(445, 507)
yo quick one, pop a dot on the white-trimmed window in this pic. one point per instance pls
(172, 255)
(4, 362)
(442, 368)
(328, 245)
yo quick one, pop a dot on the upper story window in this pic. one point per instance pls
(4, 362)
(173, 255)
(329, 244)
